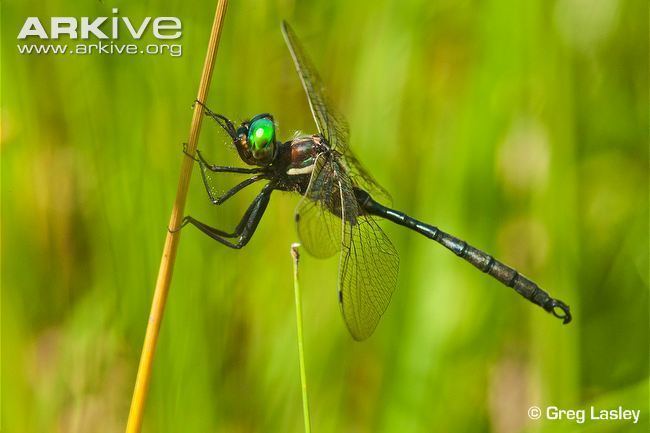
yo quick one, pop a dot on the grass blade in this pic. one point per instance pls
(301, 352)
(141, 388)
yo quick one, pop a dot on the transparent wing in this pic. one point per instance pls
(331, 124)
(319, 227)
(329, 219)
(364, 180)
(369, 262)
(368, 267)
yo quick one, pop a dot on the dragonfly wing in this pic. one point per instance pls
(367, 270)
(331, 124)
(319, 225)
(364, 180)
(369, 262)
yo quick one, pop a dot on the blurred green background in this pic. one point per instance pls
(520, 126)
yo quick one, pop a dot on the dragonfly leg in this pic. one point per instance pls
(246, 227)
(225, 169)
(219, 168)
(238, 230)
(232, 191)
(188, 154)
(223, 121)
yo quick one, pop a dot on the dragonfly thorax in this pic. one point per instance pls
(304, 151)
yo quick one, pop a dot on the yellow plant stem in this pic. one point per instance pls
(301, 352)
(134, 423)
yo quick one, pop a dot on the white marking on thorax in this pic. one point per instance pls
(303, 170)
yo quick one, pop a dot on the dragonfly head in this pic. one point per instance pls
(255, 140)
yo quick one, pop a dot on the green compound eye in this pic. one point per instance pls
(261, 136)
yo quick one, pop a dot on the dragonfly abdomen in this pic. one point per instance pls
(479, 259)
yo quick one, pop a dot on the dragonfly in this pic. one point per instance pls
(340, 208)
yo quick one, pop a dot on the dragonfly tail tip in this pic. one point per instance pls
(564, 312)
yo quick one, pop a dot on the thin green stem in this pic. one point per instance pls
(301, 351)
